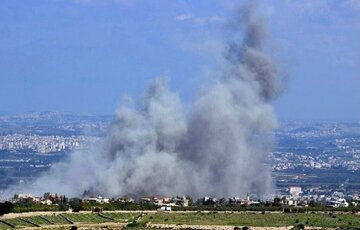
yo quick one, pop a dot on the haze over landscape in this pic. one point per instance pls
(214, 78)
(157, 147)
(180, 115)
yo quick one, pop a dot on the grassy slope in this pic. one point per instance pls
(85, 218)
(248, 219)
(18, 222)
(56, 219)
(236, 219)
(3, 226)
(75, 217)
(121, 217)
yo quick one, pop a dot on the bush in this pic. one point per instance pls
(6, 207)
(63, 207)
(76, 205)
(34, 207)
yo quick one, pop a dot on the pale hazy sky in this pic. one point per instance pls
(82, 56)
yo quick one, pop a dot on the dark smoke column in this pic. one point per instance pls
(230, 129)
(216, 148)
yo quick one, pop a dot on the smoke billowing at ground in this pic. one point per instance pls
(216, 147)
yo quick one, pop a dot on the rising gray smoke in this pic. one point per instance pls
(217, 148)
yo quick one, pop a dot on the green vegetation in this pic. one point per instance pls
(265, 208)
(6, 207)
(116, 205)
(256, 219)
(18, 208)
(3, 226)
(86, 218)
(78, 205)
(121, 217)
(37, 220)
(75, 205)
(325, 220)
(19, 223)
(56, 219)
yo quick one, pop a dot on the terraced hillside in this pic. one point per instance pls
(182, 220)
(325, 220)
(66, 219)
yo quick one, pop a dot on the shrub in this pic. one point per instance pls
(6, 207)
(76, 205)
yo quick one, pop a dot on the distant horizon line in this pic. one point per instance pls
(17, 114)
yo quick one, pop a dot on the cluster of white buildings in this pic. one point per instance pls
(167, 201)
(44, 144)
(47, 199)
(99, 199)
(334, 200)
(294, 197)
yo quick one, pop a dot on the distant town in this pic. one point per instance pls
(294, 199)
(321, 158)
(293, 211)
(45, 144)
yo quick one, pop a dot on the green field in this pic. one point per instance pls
(19, 222)
(56, 219)
(83, 218)
(326, 220)
(121, 217)
(38, 220)
(258, 219)
(3, 226)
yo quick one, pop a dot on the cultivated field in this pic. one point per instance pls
(66, 220)
(257, 219)
(178, 220)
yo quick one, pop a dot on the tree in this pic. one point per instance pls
(277, 201)
(75, 205)
(63, 206)
(312, 203)
(6, 207)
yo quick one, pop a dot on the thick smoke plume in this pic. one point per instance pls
(217, 147)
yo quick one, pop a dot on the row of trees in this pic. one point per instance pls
(77, 205)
